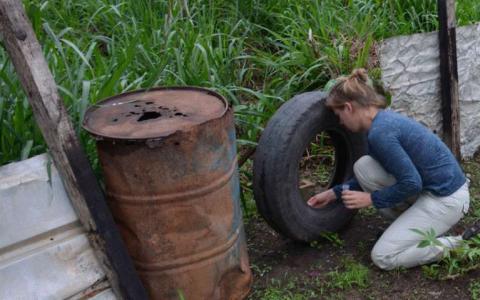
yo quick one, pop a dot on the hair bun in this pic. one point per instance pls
(360, 74)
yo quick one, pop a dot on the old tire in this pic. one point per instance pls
(276, 172)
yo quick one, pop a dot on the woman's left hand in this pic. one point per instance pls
(356, 200)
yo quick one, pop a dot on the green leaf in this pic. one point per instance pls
(424, 244)
(107, 88)
(329, 85)
(26, 150)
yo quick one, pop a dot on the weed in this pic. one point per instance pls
(474, 289)
(399, 271)
(288, 289)
(256, 53)
(432, 271)
(261, 270)
(368, 211)
(334, 238)
(361, 246)
(318, 163)
(352, 274)
(455, 262)
(316, 245)
(181, 296)
(429, 238)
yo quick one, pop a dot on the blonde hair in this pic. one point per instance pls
(356, 88)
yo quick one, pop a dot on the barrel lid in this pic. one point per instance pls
(153, 113)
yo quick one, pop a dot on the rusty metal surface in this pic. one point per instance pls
(177, 203)
(153, 113)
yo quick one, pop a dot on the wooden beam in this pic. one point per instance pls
(449, 75)
(67, 154)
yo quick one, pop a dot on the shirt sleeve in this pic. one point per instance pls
(353, 186)
(388, 151)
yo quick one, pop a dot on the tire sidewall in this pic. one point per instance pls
(277, 160)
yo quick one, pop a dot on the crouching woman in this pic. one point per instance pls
(410, 176)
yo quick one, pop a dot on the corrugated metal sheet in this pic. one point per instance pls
(44, 251)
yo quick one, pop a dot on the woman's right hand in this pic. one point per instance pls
(322, 199)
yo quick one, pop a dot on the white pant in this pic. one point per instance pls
(397, 247)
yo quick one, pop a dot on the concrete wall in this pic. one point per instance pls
(411, 70)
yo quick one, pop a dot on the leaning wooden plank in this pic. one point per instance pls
(449, 75)
(68, 156)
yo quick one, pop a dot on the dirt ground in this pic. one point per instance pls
(299, 271)
(340, 268)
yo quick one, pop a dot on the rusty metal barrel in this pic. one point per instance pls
(169, 162)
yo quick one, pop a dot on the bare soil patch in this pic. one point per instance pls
(284, 269)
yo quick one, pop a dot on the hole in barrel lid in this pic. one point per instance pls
(149, 115)
(149, 102)
(114, 119)
(179, 114)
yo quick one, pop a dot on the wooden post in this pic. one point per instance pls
(449, 75)
(72, 164)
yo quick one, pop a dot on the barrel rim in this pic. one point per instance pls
(99, 136)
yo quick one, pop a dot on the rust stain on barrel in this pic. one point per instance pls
(169, 162)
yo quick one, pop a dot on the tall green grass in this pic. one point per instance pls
(257, 53)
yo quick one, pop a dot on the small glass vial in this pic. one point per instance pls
(345, 187)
